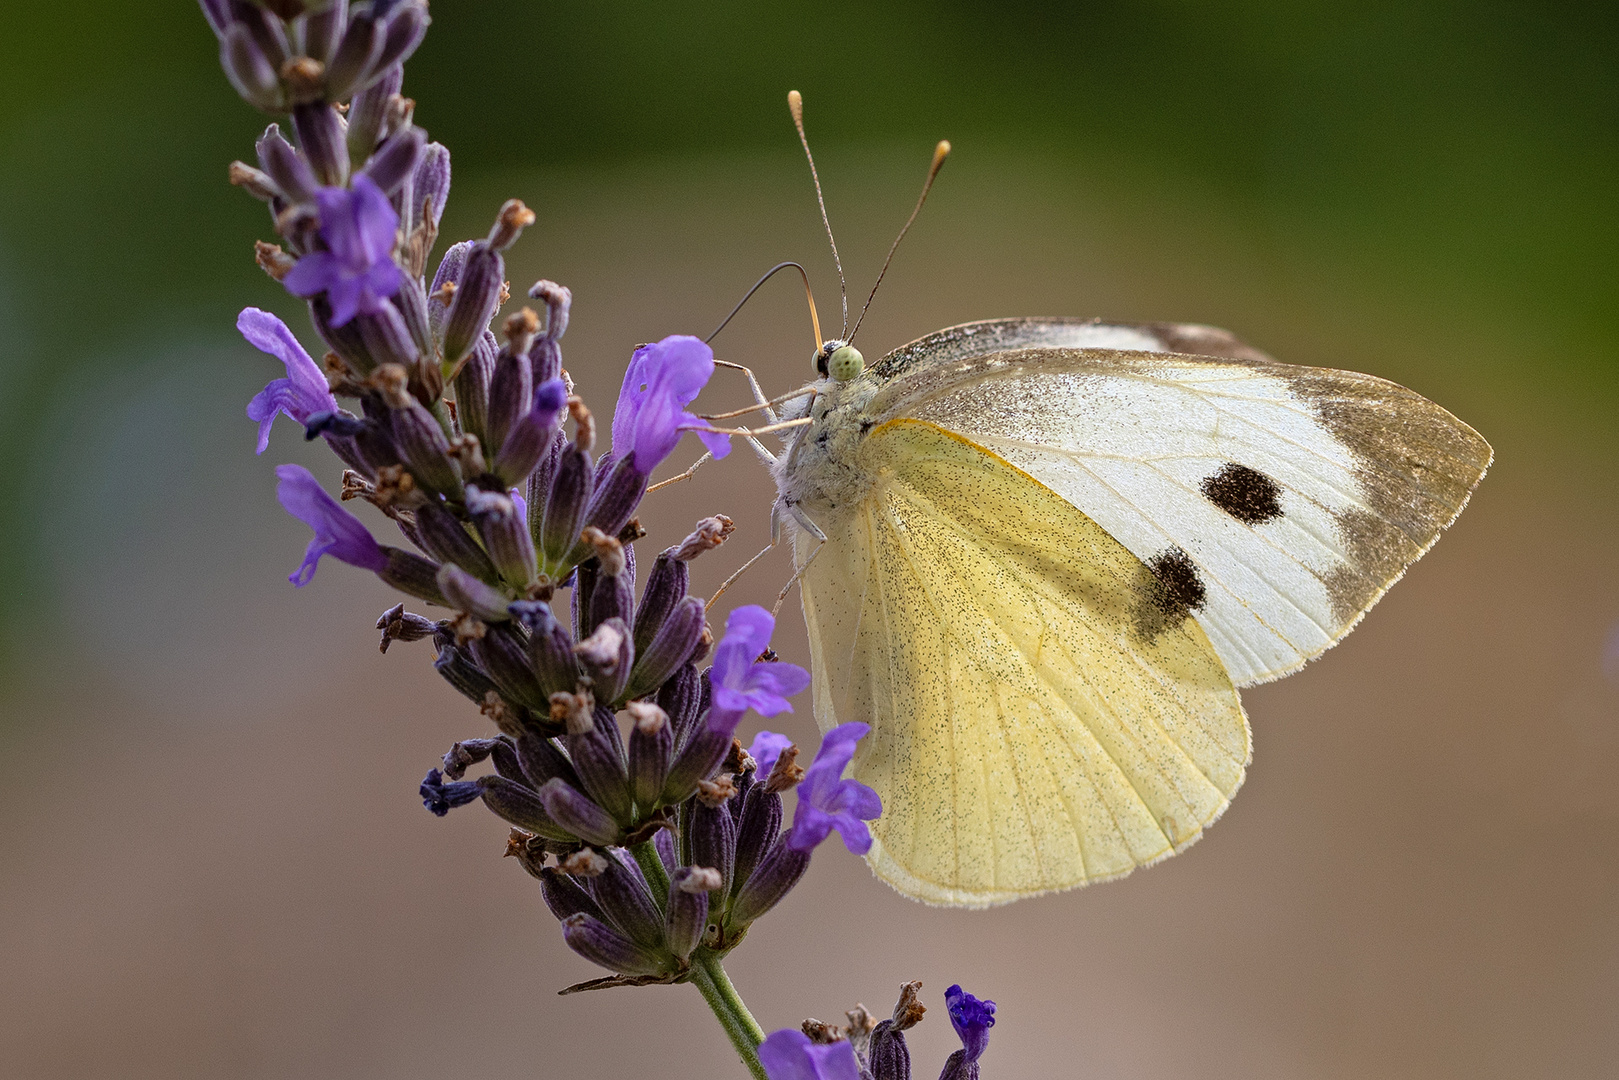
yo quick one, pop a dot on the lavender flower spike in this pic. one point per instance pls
(827, 802)
(661, 381)
(338, 533)
(740, 684)
(300, 395)
(788, 1054)
(972, 1020)
(357, 271)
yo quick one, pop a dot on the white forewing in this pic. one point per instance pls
(1281, 501)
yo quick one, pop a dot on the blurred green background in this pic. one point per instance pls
(212, 864)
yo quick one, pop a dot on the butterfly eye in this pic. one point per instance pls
(845, 363)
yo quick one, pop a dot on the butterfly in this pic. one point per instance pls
(1040, 556)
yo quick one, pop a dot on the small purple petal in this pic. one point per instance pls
(788, 1054)
(357, 272)
(302, 393)
(826, 801)
(661, 380)
(972, 1020)
(338, 533)
(767, 747)
(737, 682)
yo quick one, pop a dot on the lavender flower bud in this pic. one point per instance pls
(438, 306)
(599, 761)
(441, 798)
(558, 299)
(520, 806)
(687, 915)
(467, 593)
(565, 508)
(321, 137)
(422, 445)
(502, 653)
(756, 831)
(218, 15)
(397, 624)
(513, 218)
(534, 436)
(682, 697)
(664, 841)
(577, 814)
(511, 394)
(607, 656)
(460, 672)
(623, 897)
(323, 29)
(616, 497)
(676, 640)
(651, 747)
(467, 753)
(505, 535)
(395, 161)
(543, 762)
(550, 647)
(286, 166)
(248, 69)
(711, 840)
(887, 1053)
(773, 879)
(472, 382)
(666, 586)
(431, 184)
(446, 539)
(387, 337)
(477, 295)
(593, 940)
(565, 897)
(405, 27)
(412, 575)
(370, 106)
(344, 340)
(426, 380)
(610, 593)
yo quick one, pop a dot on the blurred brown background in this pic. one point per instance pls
(212, 860)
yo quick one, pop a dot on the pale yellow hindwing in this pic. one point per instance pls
(1043, 714)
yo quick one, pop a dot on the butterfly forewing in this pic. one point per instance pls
(1044, 711)
(1277, 502)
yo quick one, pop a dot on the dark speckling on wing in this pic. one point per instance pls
(1246, 494)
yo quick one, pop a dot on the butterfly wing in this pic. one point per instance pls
(1278, 502)
(1044, 712)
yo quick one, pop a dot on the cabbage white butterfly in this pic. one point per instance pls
(1039, 556)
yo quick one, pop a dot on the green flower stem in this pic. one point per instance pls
(710, 978)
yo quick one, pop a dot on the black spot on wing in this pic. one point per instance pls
(1168, 593)
(1246, 494)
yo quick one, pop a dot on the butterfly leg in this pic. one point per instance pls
(803, 521)
(687, 475)
(753, 384)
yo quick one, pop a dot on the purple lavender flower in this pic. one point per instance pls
(338, 533)
(740, 684)
(788, 1054)
(302, 393)
(661, 381)
(357, 272)
(972, 1020)
(767, 747)
(826, 801)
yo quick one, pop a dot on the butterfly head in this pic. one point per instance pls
(839, 360)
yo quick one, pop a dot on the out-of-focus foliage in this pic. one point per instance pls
(1460, 148)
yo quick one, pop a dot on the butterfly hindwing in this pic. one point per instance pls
(1044, 710)
(1281, 501)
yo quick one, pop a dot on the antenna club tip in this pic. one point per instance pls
(795, 104)
(942, 150)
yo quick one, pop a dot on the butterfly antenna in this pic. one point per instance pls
(940, 152)
(815, 319)
(795, 104)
